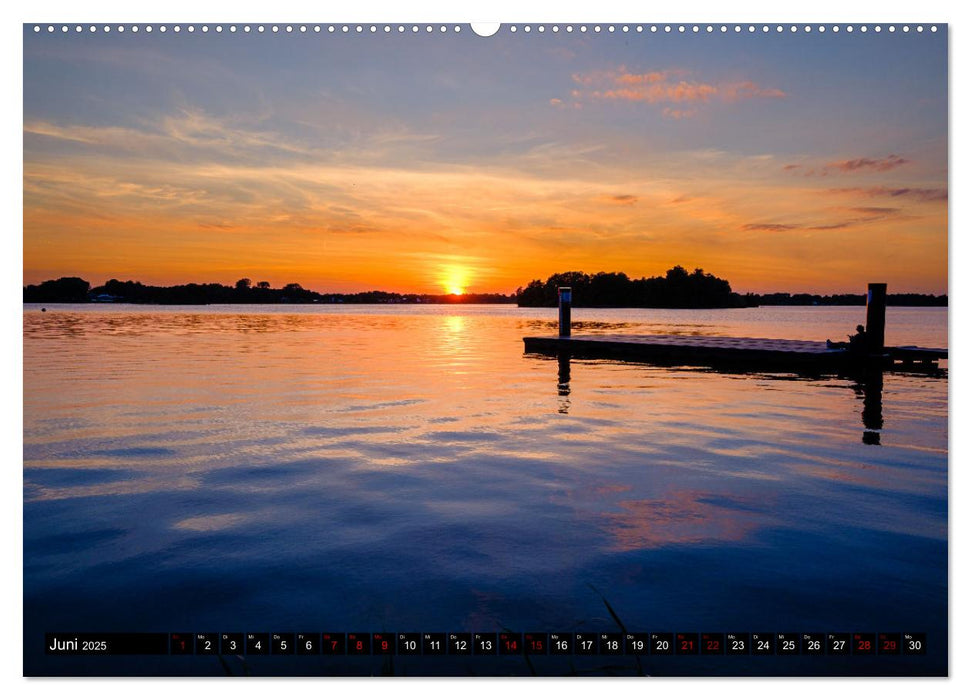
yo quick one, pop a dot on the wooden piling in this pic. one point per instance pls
(566, 300)
(876, 317)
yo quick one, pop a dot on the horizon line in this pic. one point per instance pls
(450, 294)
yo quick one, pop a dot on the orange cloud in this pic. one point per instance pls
(660, 87)
(660, 92)
(746, 90)
(641, 78)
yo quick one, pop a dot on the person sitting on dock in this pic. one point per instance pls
(856, 344)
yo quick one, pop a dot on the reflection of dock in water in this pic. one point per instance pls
(867, 383)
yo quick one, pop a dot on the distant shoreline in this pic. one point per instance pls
(95, 304)
(677, 290)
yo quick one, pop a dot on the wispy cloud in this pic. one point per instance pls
(878, 164)
(664, 87)
(875, 211)
(769, 227)
(627, 199)
(849, 165)
(866, 215)
(191, 134)
(183, 133)
(81, 133)
(919, 194)
(679, 113)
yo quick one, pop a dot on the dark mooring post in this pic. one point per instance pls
(566, 299)
(876, 317)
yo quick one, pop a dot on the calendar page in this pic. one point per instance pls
(526, 349)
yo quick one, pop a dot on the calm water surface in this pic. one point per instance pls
(410, 469)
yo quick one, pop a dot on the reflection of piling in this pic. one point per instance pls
(876, 324)
(563, 381)
(876, 317)
(566, 299)
(872, 405)
(563, 376)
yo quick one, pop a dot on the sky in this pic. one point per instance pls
(449, 162)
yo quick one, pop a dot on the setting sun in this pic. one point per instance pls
(455, 279)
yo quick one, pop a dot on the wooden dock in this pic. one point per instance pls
(765, 354)
(759, 353)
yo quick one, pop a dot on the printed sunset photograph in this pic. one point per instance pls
(571, 350)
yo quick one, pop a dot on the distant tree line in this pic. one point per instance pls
(68, 290)
(679, 289)
(77, 290)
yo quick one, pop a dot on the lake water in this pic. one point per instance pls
(409, 469)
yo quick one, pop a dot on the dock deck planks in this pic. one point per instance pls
(706, 349)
